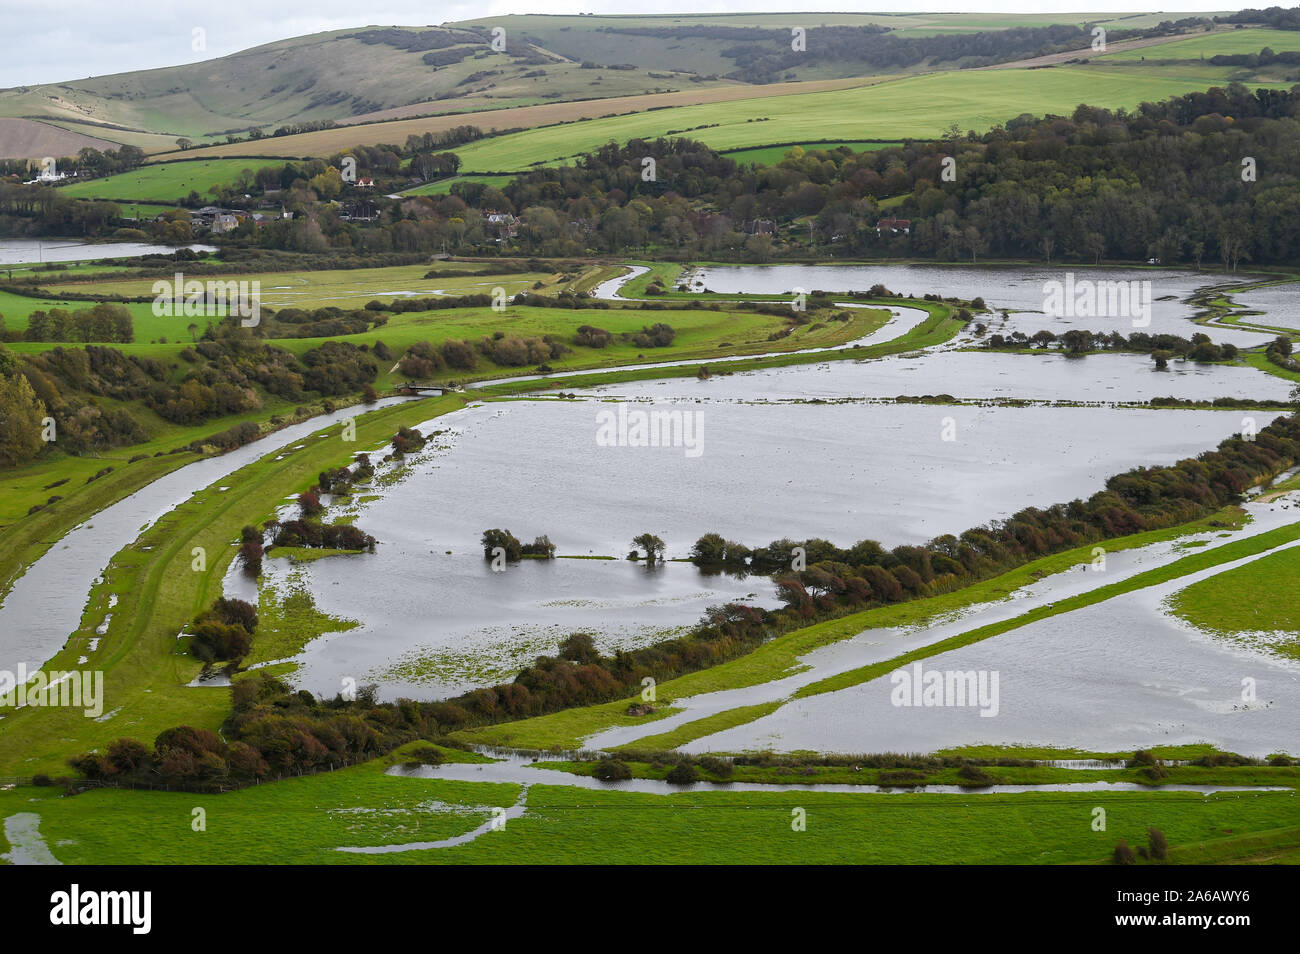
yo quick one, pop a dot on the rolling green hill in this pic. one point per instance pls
(917, 106)
(375, 74)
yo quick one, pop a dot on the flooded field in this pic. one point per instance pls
(1018, 289)
(965, 375)
(435, 622)
(1114, 676)
(1280, 304)
(25, 251)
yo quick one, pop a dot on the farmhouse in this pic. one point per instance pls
(502, 224)
(894, 226)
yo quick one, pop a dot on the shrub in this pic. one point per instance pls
(683, 773)
(718, 768)
(426, 755)
(611, 770)
(1156, 842)
(1123, 854)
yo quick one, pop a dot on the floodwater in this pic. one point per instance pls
(1116, 676)
(435, 622)
(1019, 289)
(1280, 304)
(44, 605)
(876, 645)
(966, 375)
(32, 251)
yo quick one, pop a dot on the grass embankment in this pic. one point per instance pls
(780, 657)
(158, 593)
(1256, 598)
(25, 536)
(936, 329)
(302, 820)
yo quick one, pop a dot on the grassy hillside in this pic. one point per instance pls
(378, 73)
(1198, 47)
(329, 141)
(918, 106)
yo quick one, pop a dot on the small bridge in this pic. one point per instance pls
(416, 389)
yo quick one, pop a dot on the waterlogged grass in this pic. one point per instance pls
(1256, 598)
(1260, 362)
(288, 620)
(303, 820)
(780, 657)
(300, 820)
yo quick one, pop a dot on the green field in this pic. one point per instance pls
(1257, 597)
(166, 182)
(1208, 45)
(443, 186)
(916, 107)
(303, 821)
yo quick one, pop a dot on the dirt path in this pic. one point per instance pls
(1056, 59)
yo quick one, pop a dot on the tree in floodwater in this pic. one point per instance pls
(652, 545)
(503, 539)
(250, 551)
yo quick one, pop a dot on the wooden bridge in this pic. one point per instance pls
(414, 388)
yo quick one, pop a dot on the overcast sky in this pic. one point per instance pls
(49, 41)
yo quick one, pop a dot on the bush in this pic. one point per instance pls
(718, 768)
(504, 539)
(611, 770)
(426, 755)
(1156, 842)
(1123, 854)
(683, 773)
(972, 775)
